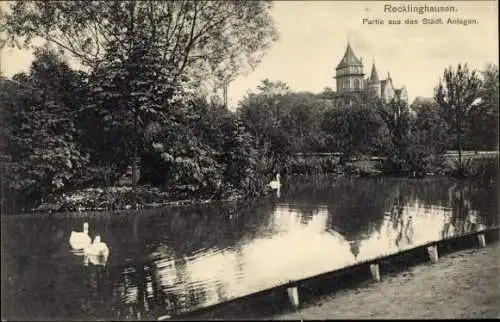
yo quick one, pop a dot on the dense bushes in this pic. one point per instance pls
(311, 164)
(79, 133)
(485, 168)
(210, 153)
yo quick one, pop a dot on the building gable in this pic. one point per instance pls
(350, 79)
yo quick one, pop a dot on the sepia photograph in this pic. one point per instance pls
(249, 160)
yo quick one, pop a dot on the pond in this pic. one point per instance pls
(166, 262)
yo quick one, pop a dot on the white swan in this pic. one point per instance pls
(97, 248)
(80, 240)
(275, 184)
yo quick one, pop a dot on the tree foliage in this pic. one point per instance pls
(222, 38)
(353, 130)
(42, 130)
(142, 55)
(482, 122)
(283, 122)
(130, 92)
(457, 93)
(262, 114)
(206, 149)
(397, 120)
(428, 138)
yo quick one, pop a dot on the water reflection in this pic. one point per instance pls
(169, 261)
(97, 260)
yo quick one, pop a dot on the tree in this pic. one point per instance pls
(353, 129)
(42, 131)
(428, 138)
(482, 121)
(262, 115)
(301, 121)
(456, 94)
(396, 117)
(130, 92)
(196, 38)
(260, 112)
(269, 88)
(327, 93)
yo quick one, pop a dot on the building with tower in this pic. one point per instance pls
(350, 79)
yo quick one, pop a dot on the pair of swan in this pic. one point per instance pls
(82, 241)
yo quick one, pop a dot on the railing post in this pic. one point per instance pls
(293, 295)
(433, 253)
(375, 270)
(481, 240)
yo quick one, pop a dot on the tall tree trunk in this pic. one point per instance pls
(134, 154)
(459, 144)
(134, 168)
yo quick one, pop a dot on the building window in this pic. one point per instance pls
(356, 84)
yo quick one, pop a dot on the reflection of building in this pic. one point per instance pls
(350, 79)
(355, 247)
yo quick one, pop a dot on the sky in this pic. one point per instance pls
(314, 36)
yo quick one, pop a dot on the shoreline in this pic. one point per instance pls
(123, 198)
(460, 285)
(53, 208)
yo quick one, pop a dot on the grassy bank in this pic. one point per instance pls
(123, 197)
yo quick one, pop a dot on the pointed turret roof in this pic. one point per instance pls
(374, 75)
(349, 59)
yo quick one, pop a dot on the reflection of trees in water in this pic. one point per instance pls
(186, 230)
(185, 297)
(428, 191)
(321, 189)
(456, 202)
(465, 196)
(131, 298)
(356, 209)
(309, 189)
(405, 232)
(171, 237)
(288, 217)
(159, 287)
(357, 206)
(473, 203)
(401, 218)
(138, 293)
(306, 213)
